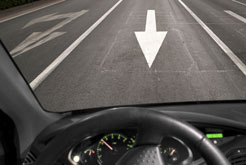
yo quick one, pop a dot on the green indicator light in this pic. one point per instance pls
(214, 135)
(133, 141)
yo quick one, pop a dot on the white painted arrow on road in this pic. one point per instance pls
(150, 40)
(38, 38)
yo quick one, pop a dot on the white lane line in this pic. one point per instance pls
(47, 71)
(240, 18)
(29, 11)
(220, 43)
(241, 3)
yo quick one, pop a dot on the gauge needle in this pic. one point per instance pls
(107, 144)
(172, 152)
(91, 152)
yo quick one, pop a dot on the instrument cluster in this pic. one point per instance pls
(109, 148)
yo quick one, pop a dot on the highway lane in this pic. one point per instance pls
(37, 59)
(228, 28)
(109, 67)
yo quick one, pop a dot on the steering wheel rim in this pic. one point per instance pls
(156, 123)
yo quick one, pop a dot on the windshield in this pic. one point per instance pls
(98, 53)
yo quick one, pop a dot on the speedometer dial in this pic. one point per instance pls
(111, 147)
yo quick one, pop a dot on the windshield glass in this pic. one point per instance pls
(86, 54)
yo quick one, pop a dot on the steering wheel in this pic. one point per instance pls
(152, 125)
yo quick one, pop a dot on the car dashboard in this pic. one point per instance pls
(223, 124)
(108, 148)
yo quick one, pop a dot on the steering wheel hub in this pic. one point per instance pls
(144, 155)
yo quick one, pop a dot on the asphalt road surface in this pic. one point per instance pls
(91, 53)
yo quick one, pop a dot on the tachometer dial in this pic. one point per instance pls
(111, 147)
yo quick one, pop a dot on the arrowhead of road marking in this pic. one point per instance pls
(37, 20)
(150, 43)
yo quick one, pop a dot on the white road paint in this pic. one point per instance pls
(150, 40)
(220, 43)
(44, 74)
(240, 18)
(46, 18)
(29, 11)
(241, 3)
(33, 40)
(42, 41)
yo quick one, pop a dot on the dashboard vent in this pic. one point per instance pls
(29, 159)
(237, 156)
